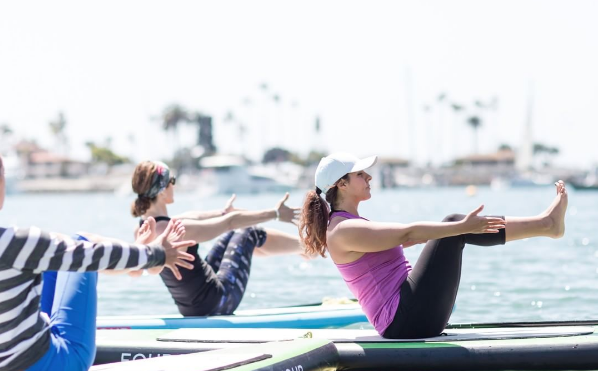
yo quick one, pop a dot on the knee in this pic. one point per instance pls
(85, 354)
(453, 218)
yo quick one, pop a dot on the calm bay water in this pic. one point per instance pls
(534, 279)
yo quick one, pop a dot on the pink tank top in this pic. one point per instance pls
(375, 279)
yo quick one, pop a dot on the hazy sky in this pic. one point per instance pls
(366, 68)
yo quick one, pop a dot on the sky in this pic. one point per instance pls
(372, 71)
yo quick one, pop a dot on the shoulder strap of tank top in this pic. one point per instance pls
(344, 214)
(158, 219)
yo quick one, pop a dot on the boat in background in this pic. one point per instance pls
(584, 186)
(588, 182)
(227, 174)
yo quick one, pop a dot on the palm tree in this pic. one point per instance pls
(457, 107)
(279, 124)
(458, 111)
(441, 128)
(171, 118)
(57, 127)
(429, 131)
(475, 122)
(5, 132)
(5, 129)
(317, 144)
(264, 125)
(231, 118)
(545, 152)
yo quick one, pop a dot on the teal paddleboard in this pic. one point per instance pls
(311, 316)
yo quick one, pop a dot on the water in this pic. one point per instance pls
(528, 280)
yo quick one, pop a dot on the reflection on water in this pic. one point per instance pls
(534, 279)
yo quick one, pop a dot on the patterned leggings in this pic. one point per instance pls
(230, 258)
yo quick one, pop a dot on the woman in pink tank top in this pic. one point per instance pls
(399, 301)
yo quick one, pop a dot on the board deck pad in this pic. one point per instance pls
(304, 354)
(192, 362)
(243, 335)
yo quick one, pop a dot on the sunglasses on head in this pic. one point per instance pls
(172, 180)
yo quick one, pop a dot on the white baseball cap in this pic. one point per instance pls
(333, 167)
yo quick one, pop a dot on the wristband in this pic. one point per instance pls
(277, 214)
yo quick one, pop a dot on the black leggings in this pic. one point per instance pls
(429, 292)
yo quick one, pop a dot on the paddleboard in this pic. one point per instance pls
(296, 355)
(313, 316)
(499, 347)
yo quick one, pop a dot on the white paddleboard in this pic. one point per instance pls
(242, 335)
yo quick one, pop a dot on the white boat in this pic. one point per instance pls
(224, 174)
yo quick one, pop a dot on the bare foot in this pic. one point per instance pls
(145, 235)
(147, 231)
(555, 214)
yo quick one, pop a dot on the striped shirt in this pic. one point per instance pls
(24, 255)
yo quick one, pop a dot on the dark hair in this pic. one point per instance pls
(141, 182)
(315, 218)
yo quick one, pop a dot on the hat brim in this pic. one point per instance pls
(364, 163)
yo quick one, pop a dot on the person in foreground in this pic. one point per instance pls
(55, 330)
(399, 301)
(216, 285)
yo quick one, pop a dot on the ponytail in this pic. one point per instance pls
(140, 205)
(141, 184)
(313, 224)
(315, 217)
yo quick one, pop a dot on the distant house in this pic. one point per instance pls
(482, 168)
(502, 158)
(48, 165)
(389, 176)
(393, 162)
(37, 162)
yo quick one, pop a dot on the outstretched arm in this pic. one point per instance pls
(203, 215)
(205, 230)
(364, 236)
(32, 250)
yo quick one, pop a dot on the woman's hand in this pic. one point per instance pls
(287, 214)
(228, 207)
(482, 224)
(170, 240)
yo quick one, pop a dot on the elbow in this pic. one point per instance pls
(232, 220)
(409, 235)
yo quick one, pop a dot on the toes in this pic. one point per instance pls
(560, 187)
